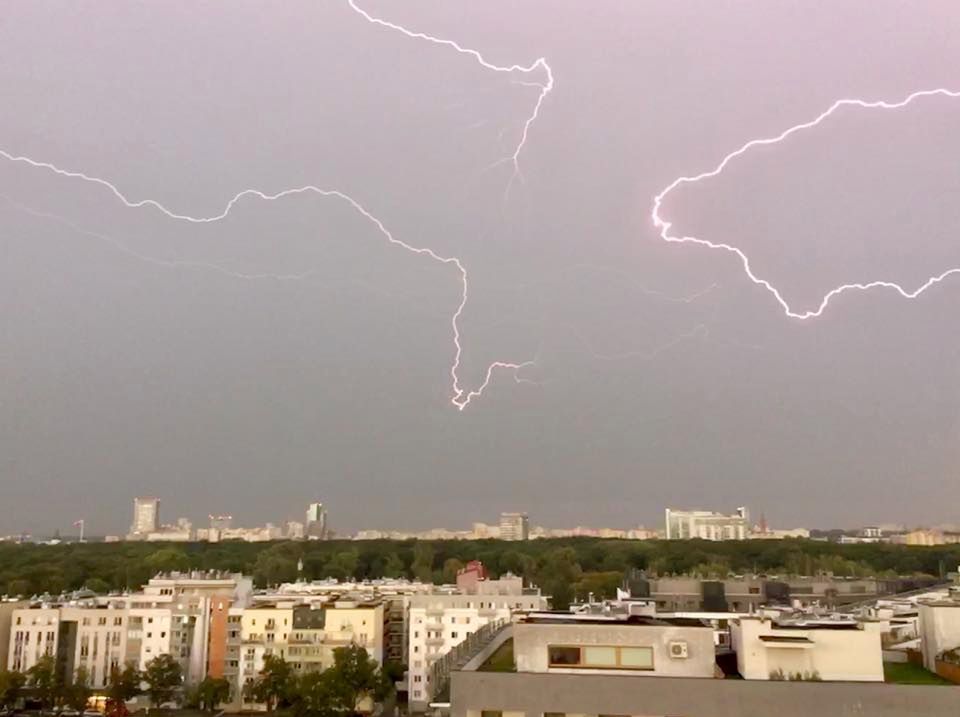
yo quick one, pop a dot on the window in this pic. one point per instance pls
(118, 621)
(163, 634)
(102, 621)
(563, 656)
(601, 657)
(453, 635)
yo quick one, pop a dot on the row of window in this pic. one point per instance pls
(601, 657)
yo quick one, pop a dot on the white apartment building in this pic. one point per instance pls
(440, 621)
(824, 649)
(85, 634)
(706, 525)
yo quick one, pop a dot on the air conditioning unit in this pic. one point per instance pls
(678, 650)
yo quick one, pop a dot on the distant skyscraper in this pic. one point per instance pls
(514, 526)
(316, 524)
(146, 515)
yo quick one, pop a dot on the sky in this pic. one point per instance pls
(290, 353)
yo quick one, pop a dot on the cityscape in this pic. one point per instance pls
(147, 526)
(479, 359)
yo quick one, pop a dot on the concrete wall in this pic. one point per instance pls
(531, 695)
(530, 642)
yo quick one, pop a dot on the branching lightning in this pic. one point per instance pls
(663, 226)
(540, 64)
(461, 397)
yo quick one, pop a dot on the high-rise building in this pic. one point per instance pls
(316, 524)
(704, 524)
(514, 526)
(146, 516)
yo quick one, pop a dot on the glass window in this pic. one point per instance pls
(637, 658)
(563, 655)
(600, 656)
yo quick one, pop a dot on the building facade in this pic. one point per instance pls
(146, 516)
(706, 525)
(315, 526)
(514, 526)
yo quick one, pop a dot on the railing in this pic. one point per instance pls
(434, 626)
(438, 678)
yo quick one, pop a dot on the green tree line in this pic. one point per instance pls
(562, 567)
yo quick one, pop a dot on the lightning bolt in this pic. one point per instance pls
(540, 64)
(663, 226)
(461, 397)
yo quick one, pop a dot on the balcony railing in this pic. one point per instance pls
(436, 626)
(435, 612)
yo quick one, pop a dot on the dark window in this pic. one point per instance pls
(564, 655)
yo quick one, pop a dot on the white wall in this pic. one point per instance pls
(843, 655)
(939, 630)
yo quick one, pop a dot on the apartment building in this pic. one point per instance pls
(393, 593)
(319, 630)
(440, 621)
(81, 634)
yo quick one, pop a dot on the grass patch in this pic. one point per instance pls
(501, 660)
(906, 673)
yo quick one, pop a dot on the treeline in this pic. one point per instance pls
(563, 567)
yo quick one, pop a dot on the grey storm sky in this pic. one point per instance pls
(123, 376)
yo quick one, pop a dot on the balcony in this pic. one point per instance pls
(435, 612)
(487, 612)
(434, 642)
(434, 626)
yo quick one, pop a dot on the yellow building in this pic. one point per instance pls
(320, 629)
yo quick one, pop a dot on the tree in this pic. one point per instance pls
(97, 585)
(211, 692)
(76, 694)
(343, 565)
(317, 694)
(124, 684)
(274, 683)
(11, 684)
(163, 676)
(19, 587)
(166, 560)
(451, 566)
(558, 573)
(42, 678)
(422, 566)
(271, 568)
(357, 677)
(393, 567)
